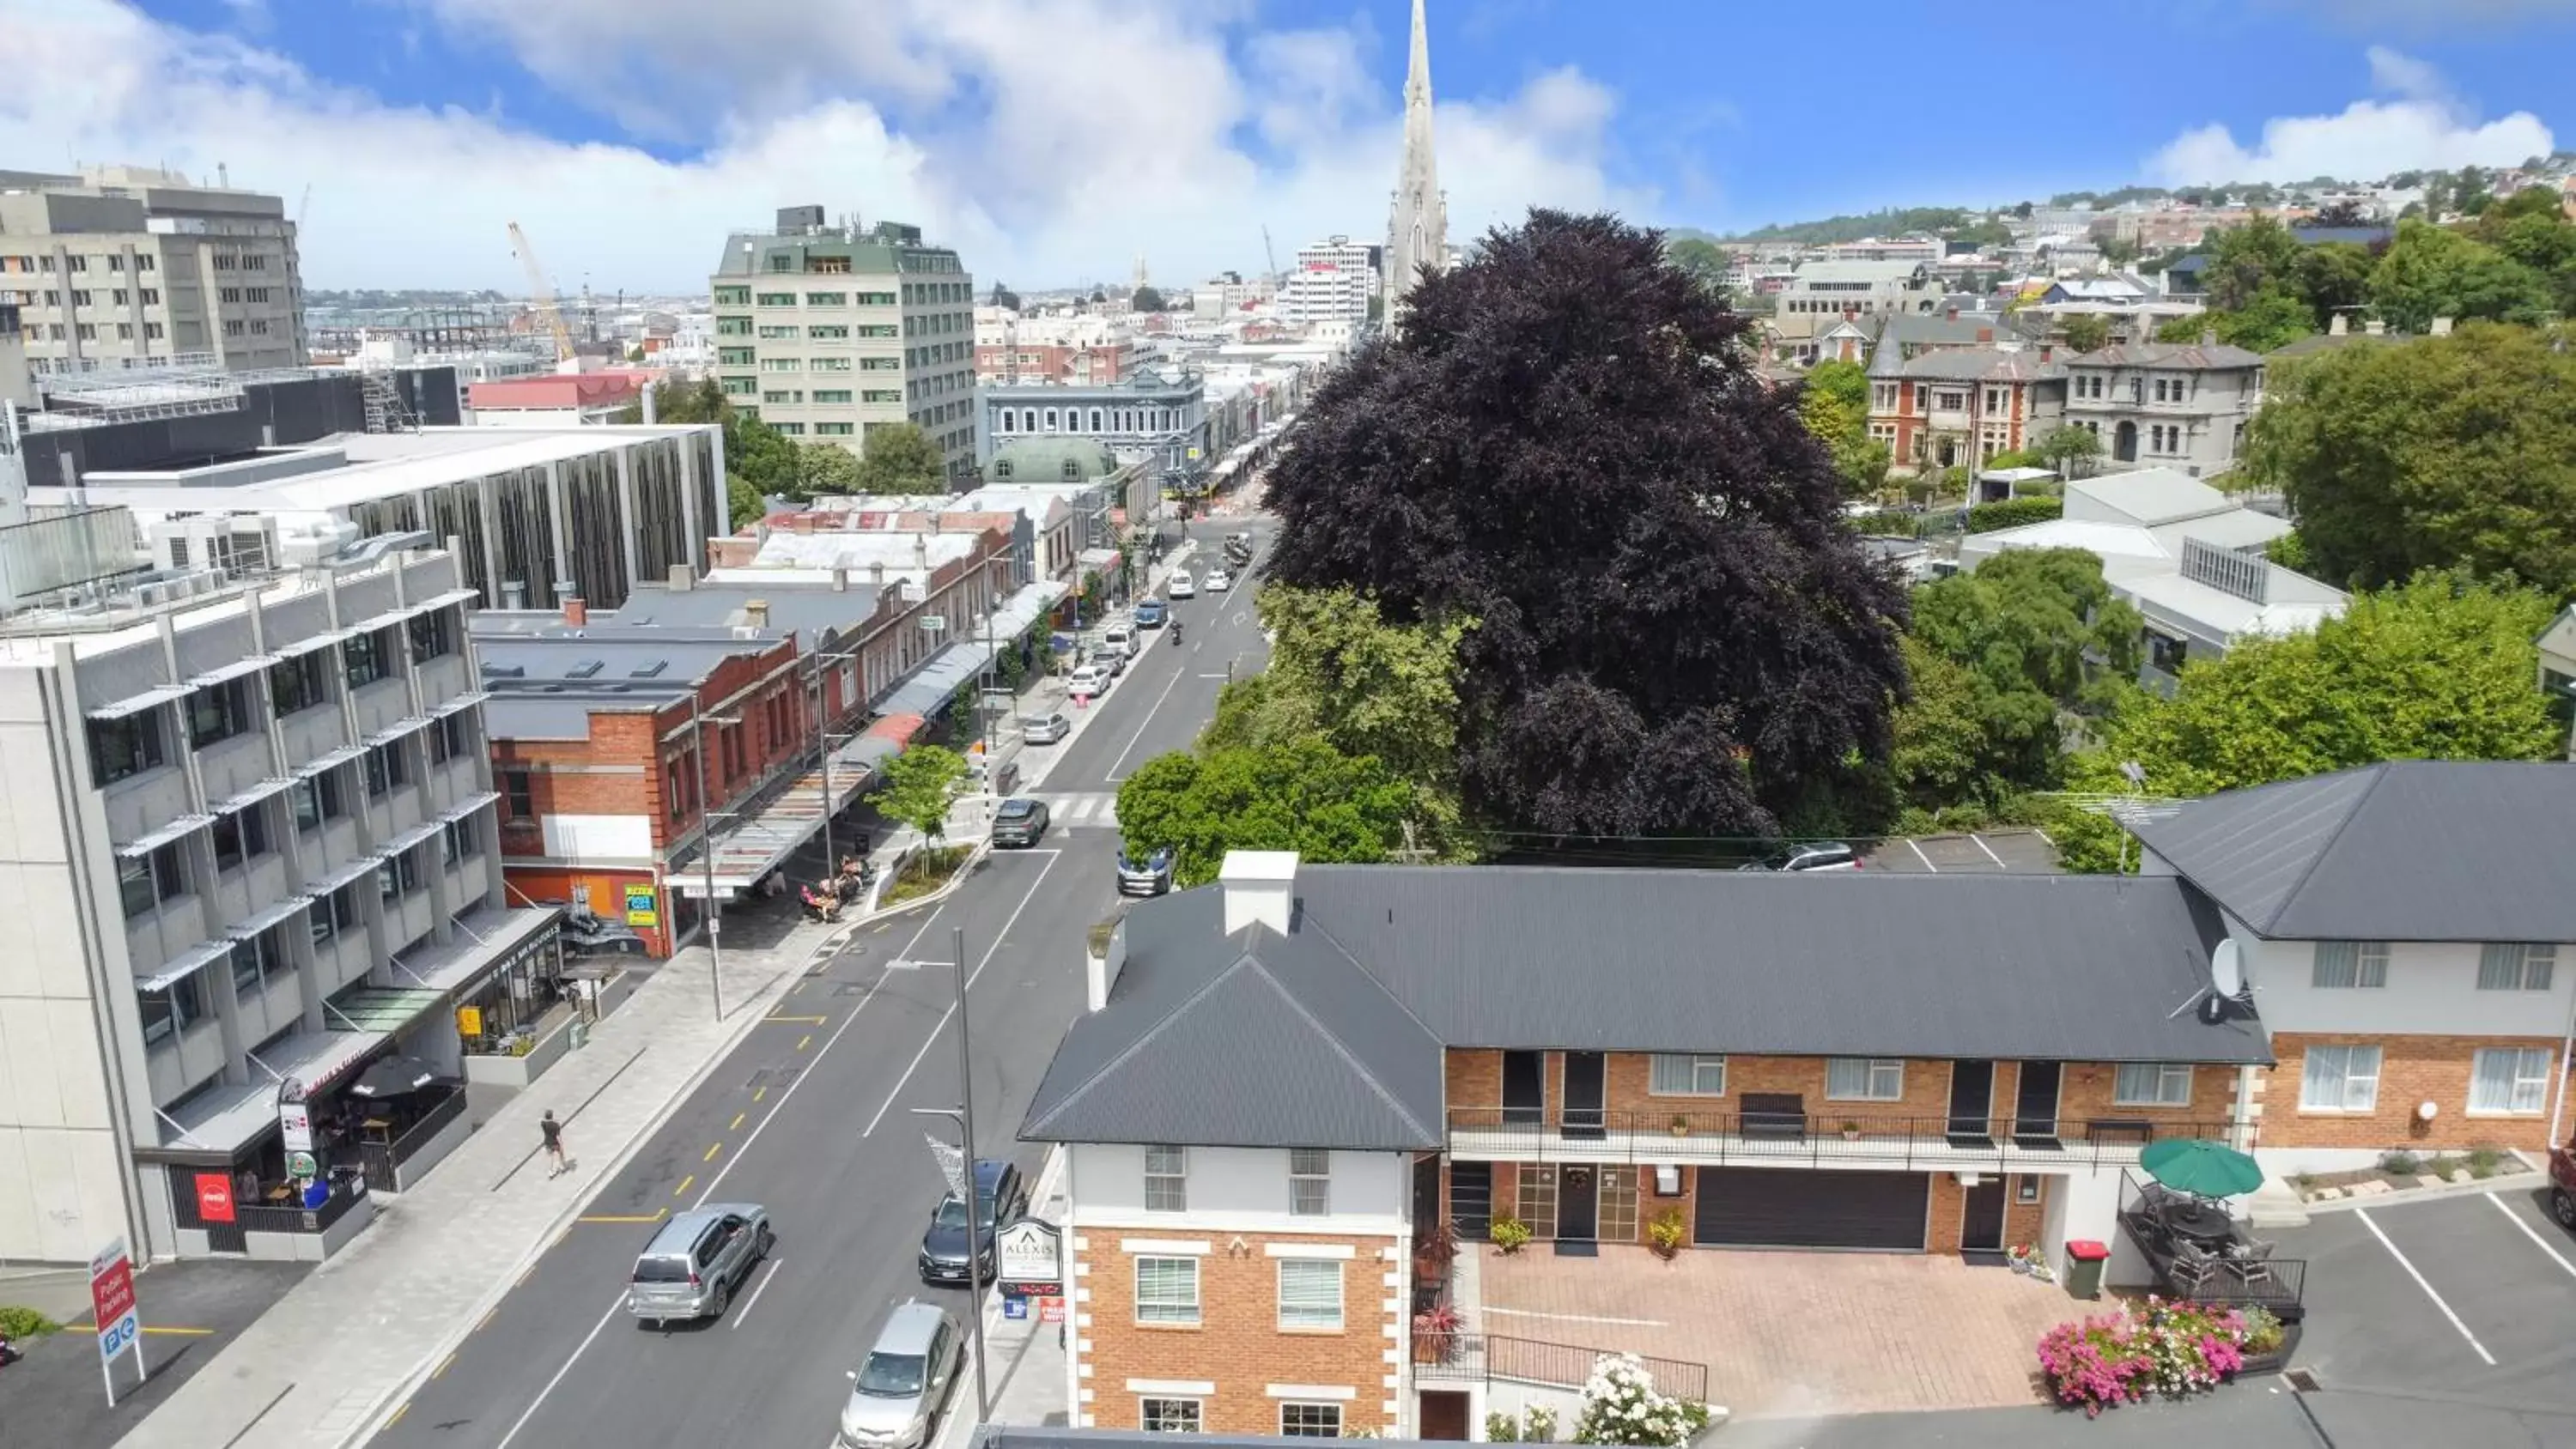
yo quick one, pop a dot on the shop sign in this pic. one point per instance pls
(295, 1123)
(1051, 1308)
(214, 1197)
(642, 908)
(111, 1300)
(1028, 1258)
(1015, 1307)
(303, 1164)
(469, 1021)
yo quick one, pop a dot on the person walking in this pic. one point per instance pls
(553, 1131)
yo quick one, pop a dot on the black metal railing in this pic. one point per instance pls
(265, 1219)
(1487, 1356)
(1790, 1136)
(384, 1159)
(2157, 1223)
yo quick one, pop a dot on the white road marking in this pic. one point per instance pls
(2537, 1240)
(2364, 1215)
(618, 1304)
(999, 937)
(1988, 849)
(1116, 764)
(1216, 676)
(1575, 1317)
(753, 1301)
(1919, 855)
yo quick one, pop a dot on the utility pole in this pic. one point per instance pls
(964, 1116)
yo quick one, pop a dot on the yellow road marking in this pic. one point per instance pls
(805, 1041)
(796, 990)
(485, 1321)
(808, 1020)
(737, 1121)
(711, 1153)
(529, 1273)
(651, 1217)
(181, 1332)
(444, 1365)
(684, 1184)
(759, 1092)
(398, 1413)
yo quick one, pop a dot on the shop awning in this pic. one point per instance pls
(151, 841)
(178, 968)
(223, 1119)
(152, 698)
(486, 941)
(235, 670)
(380, 1009)
(318, 1059)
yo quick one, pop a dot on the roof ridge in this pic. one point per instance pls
(1341, 1048)
(2378, 771)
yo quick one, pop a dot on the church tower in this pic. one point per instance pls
(1418, 233)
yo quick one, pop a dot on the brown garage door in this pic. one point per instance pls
(1766, 1207)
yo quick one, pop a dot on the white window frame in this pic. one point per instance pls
(2365, 968)
(1686, 1074)
(1310, 1182)
(2517, 966)
(2527, 1092)
(1168, 1313)
(1873, 1070)
(1145, 1414)
(2160, 1087)
(1308, 1317)
(1312, 1431)
(1167, 1179)
(2347, 1099)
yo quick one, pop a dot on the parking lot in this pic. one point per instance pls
(190, 1310)
(1986, 851)
(2471, 1297)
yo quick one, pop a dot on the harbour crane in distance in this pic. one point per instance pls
(543, 293)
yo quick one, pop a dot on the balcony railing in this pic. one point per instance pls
(2148, 1218)
(1483, 1357)
(1789, 1137)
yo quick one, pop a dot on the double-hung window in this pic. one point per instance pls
(1167, 1179)
(2510, 1080)
(2350, 965)
(1167, 1290)
(2339, 1079)
(1170, 1416)
(1310, 1293)
(1310, 1182)
(1865, 1079)
(1680, 1075)
(2153, 1084)
(2516, 966)
(1310, 1421)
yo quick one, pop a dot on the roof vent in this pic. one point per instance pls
(584, 670)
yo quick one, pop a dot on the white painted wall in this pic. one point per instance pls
(598, 838)
(2432, 990)
(1243, 1190)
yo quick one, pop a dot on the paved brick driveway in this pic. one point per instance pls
(1793, 1334)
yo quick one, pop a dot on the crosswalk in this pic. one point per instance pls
(1097, 809)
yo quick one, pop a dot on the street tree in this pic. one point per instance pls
(919, 785)
(2433, 271)
(1303, 796)
(1834, 404)
(1146, 299)
(2068, 450)
(1940, 758)
(743, 503)
(826, 469)
(900, 458)
(2041, 637)
(2440, 667)
(2273, 317)
(1568, 444)
(2455, 451)
(2087, 332)
(1704, 261)
(2243, 260)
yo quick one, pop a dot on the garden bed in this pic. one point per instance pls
(922, 872)
(2402, 1171)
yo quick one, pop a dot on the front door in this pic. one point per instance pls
(1444, 1415)
(1981, 1218)
(2035, 1106)
(2124, 443)
(1583, 1094)
(1578, 1203)
(1524, 1088)
(1972, 1101)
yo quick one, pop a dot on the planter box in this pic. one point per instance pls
(517, 1072)
(2275, 1361)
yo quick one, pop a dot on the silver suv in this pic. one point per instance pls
(697, 1260)
(899, 1389)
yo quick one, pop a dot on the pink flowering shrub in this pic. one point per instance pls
(2119, 1357)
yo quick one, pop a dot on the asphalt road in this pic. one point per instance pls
(810, 1117)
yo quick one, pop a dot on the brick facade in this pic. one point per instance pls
(1237, 1345)
(2412, 1070)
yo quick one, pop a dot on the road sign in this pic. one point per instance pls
(1028, 1257)
(1015, 1307)
(120, 1323)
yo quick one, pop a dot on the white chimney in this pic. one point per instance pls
(1103, 954)
(2441, 327)
(1259, 887)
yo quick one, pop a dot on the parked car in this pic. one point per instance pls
(1218, 581)
(2562, 1187)
(1823, 855)
(1087, 681)
(1120, 640)
(1180, 587)
(1151, 613)
(1001, 1197)
(898, 1391)
(1114, 661)
(1238, 547)
(1045, 729)
(693, 1263)
(1149, 874)
(1020, 822)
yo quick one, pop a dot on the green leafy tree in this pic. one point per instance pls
(2087, 331)
(2273, 317)
(1703, 261)
(743, 504)
(1834, 404)
(1304, 796)
(2441, 667)
(1098, 296)
(2069, 451)
(1940, 758)
(2455, 451)
(826, 469)
(900, 458)
(2532, 227)
(1146, 299)
(2042, 637)
(2332, 277)
(2243, 260)
(2432, 271)
(919, 785)
(1989, 232)
(755, 452)
(2119, 251)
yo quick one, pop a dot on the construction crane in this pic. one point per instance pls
(1278, 279)
(544, 294)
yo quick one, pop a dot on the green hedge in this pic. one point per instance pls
(2013, 513)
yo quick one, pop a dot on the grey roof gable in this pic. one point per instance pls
(2408, 850)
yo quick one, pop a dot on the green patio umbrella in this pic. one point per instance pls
(2200, 1167)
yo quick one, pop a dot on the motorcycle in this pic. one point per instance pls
(1176, 632)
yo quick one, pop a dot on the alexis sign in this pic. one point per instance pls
(1028, 1258)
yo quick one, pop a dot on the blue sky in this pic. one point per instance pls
(1057, 140)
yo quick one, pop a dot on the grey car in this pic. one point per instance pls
(899, 1389)
(696, 1262)
(1044, 729)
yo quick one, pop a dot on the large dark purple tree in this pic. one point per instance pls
(1567, 441)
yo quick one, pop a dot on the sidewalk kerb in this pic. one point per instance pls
(2509, 1182)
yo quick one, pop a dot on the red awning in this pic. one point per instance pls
(899, 728)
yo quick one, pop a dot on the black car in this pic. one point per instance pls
(1020, 822)
(1148, 873)
(1002, 1195)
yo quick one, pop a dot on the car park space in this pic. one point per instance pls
(2473, 1294)
(1982, 851)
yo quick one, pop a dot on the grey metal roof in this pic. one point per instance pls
(2408, 850)
(2190, 355)
(814, 611)
(1980, 364)
(1342, 1022)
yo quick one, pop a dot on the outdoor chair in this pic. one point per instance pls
(2192, 1267)
(2251, 1263)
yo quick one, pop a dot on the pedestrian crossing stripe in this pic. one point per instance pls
(1097, 808)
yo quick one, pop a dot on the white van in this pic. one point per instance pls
(1120, 639)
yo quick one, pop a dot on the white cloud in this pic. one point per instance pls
(1050, 140)
(2422, 128)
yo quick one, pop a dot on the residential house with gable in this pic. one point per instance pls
(2161, 404)
(1946, 406)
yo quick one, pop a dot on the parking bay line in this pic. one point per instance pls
(1919, 855)
(2537, 1240)
(2364, 1215)
(1989, 850)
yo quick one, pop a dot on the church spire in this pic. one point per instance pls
(1418, 232)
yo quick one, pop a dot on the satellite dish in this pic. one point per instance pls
(2227, 969)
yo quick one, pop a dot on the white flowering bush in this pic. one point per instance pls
(1622, 1406)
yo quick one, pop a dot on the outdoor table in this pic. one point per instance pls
(2200, 1221)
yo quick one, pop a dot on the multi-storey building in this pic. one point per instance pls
(126, 264)
(1334, 281)
(828, 331)
(2162, 404)
(1861, 289)
(250, 849)
(1083, 349)
(1162, 415)
(1965, 405)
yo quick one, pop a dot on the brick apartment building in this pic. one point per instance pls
(1962, 405)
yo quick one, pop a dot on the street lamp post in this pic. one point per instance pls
(823, 747)
(707, 849)
(964, 1116)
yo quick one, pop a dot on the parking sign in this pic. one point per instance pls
(111, 1295)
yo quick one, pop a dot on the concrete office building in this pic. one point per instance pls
(828, 332)
(1334, 282)
(122, 264)
(249, 848)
